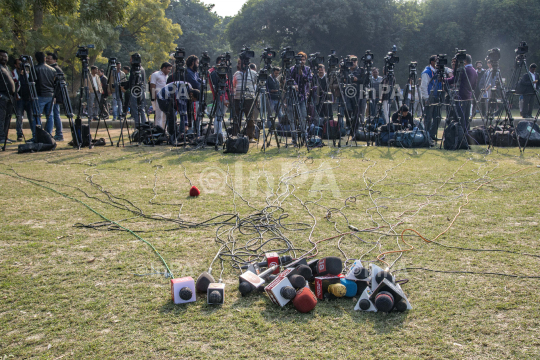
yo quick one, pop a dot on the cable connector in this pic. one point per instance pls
(353, 228)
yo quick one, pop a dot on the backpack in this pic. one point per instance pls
(478, 136)
(412, 139)
(331, 130)
(528, 130)
(454, 137)
(236, 145)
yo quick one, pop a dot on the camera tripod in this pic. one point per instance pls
(7, 126)
(218, 109)
(60, 84)
(384, 104)
(520, 63)
(113, 81)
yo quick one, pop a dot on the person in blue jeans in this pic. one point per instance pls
(45, 88)
(51, 60)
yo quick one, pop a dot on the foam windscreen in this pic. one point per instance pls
(203, 281)
(384, 301)
(305, 300)
(215, 297)
(330, 265)
(287, 292)
(185, 293)
(297, 281)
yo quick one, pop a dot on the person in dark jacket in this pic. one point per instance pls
(272, 85)
(467, 84)
(44, 86)
(7, 90)
(52, 61)
(527, 86)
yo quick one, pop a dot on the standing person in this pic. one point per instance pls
(247, 90)
(477, 91)
(7, 90)
(192, 77)
(158, 80)
(272, 85)
(44, 88)
(467, 84)
(301, 76)
(116, 92)
(51, 60)
(376, 82)
(527, 86)
(127, 97)
(323, 94)
(24, 100)
(18, 102)
(104, 87)
(137, 98)
(94, 97)
(429, 89)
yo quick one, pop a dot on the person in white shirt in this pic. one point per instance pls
(158, 81)
(94, 98)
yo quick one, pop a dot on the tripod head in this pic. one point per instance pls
(521, 53)
(179, 62)
(368, 61)
(390, 60)
(28, 66)
(82, 54)
(287, 56)
(204, 62)
(413, 70)
(315, 60)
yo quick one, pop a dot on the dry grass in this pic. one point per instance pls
(69, 292)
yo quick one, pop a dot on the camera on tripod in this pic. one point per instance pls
(82, 51)
(315, 60)
(413, 66)
(112, 62)
(263, 76)
(368, 57)
(25, 59)
(179, 54)
(333, 60)
(391, 59)
(205, 60)
(287, 54)
(246, 54)
(268, 55)
(298, 59)
(494, 55)
(522, 48)
(461, 56)
(136, 60)
(346, 63)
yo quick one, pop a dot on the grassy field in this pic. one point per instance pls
(68, 291)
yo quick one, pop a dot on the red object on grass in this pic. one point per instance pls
(194, 191)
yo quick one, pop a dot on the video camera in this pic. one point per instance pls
(179, 54)
(246, 54)
(268, 55)
(222, 65)
(287, 54)
(82, 51)
(367, 58)
(413, 66)
(204, 62)
(494, 55)
(522, 48)
(333, 60)
(112, 62)
(391, 59)
(298, 59)
(263, 76)
(461, 56)
(136, 60)
(315, 60)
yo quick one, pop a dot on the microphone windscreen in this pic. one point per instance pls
(381, 275)
(350, 286)
(203, 281)
(271, 278)
(338, 290)
(365, 304)
(384, 301)
(287, 292)
(194, 191)
(245, 288)
(305, 300)
(185, 293)
(401, 305)
(361, 273)
(297, 281)
(304, 271)
(215, 297)
(330, 265)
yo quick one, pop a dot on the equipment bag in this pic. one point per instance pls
(365, 135)
(374, 124)
(332, 131)
(478, 136)
(34, 147)
(412, 139)
(385, 138)
(454, 137)
(504, 138)
(523, 129)
(238, 145)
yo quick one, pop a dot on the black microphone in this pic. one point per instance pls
(282, 261)
(204, 280)
(330, 265)
(287, 292)
(250, 281)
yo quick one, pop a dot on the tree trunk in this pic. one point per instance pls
(38, 15)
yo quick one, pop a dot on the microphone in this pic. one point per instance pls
(274, 289)
(297, 281)
(364, 303)
(330, 265)
(216, 294)
(305, 300)
(338, 290)
(350, 287)
(183, 290)
(250, 281)
(204, 280)
(287, 292)
(304, 271)
(387, 295)
(272, 260)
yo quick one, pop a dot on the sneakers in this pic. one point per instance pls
(58, 138)
(8, 141)
(20, 138)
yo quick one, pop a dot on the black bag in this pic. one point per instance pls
(34, 147)
(412, 139)
(236, 145)
(385, 138)
(44, 137)
(504, 138)
(374, 124)
(454, 137)
(530, 130)
(331, 130)
(148, 134)
(478, 136)
(365, 135)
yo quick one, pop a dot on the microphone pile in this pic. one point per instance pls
(303, 283)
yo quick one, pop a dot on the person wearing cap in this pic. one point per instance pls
(158, 80)
(527, 86)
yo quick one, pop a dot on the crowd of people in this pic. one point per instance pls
(300, 96)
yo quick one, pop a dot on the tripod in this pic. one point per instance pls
(60, 83)
(10, 98)
(218, 107)
(390, 82)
